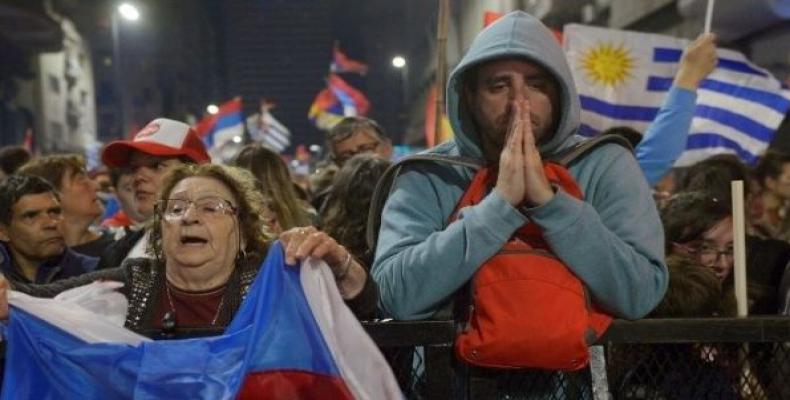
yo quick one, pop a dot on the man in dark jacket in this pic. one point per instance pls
(32, 248)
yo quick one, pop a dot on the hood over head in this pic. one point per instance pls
(515, 35)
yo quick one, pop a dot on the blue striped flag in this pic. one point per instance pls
(622, 78)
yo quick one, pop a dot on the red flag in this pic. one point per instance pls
(341, 63)
(489, 17)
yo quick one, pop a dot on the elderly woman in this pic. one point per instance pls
(208, 240)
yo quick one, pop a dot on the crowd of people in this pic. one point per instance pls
(188, 236)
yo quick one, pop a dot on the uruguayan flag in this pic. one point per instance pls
(622, 78)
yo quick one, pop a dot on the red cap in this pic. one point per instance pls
(161, 137)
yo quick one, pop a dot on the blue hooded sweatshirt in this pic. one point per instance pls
(613, 240)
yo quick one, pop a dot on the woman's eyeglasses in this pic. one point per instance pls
(209, 207)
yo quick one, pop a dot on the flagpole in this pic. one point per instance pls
(739, 248)
(441, 67)
(709, 15)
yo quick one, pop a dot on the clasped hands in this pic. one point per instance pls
(521, 179)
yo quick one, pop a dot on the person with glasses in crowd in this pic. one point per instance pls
(700, 226)
(698, 233)
(206, 245)
(356, 135)
(766, 258)
(351, 136)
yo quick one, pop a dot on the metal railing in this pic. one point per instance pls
(713, 358)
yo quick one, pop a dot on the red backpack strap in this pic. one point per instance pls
(477, 189)
(484, 180)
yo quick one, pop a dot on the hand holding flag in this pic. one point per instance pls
(308, 242)
(698, 61)
(291, 338)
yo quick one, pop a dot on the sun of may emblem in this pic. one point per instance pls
(607, 64)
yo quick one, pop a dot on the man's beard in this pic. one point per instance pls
(493, 139)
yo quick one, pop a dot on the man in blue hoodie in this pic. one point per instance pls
(512, 103)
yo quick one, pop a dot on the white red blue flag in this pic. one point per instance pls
(338, 100)
(223, 129)
(291, 338)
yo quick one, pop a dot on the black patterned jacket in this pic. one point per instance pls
(144, 284)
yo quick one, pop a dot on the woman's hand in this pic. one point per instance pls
(4, 287)
(304, 242)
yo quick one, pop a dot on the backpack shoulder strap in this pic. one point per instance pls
(574, 153)
(384, 186)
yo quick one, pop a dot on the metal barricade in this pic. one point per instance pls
(721, 358)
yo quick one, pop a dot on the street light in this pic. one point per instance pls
(212, 109)
(129, 12)
(398, 62)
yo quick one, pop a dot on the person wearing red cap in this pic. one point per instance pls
(154, 151)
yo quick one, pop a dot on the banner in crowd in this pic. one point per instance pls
(337, 100)
(623, 77)
(293, 337)
(267, 130)
(223, 129)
